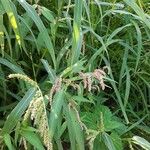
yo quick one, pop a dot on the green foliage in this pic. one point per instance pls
(74, 74)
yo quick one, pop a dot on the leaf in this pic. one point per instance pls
(47, 14)
(81, 99)
(8, 142)
(77, 33)
(46, 38)
(111, 124)
(12, 18)
(139, 44)
(127, 91)
(75, 131)
(117, 93)
(62, 52)
(105, 110)
(115, 32)
(2, 11)
(135, 124)
(117, 141)
(138, 11)
(32, 138)
(1, 34)
(10, 65)
(76, 68)
(108, 141)
(141, 142)
(70, 128)
(55, 111)
(17, 112)
(92, 120)
(50, 71)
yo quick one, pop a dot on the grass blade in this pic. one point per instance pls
(117, 92)
(128, 85)
(55, 111)
(75, 131)
(50, 71)
(33, 139)
(17, 112)
(141, 142)
(77, 33)
(46, 38)
(139, 40)
(139, 11)
(11, 66)
(13, 19)
(108, 142)
(1, 35)
(7, 140)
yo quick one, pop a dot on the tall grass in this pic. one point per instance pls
(74, 74)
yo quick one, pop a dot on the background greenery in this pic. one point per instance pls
(46, 47)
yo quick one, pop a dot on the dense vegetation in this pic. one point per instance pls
(75, 74)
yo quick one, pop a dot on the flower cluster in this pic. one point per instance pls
(88, 78)
(37, 112)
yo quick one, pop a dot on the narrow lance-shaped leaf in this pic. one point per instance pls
(7, 140)
(12, 18)
(69, 126)
(74, 127)
(117, 92)
(1, 34)
(32, 138)
(141, 142)
(77, 129)
(55, 111)
(139, 44)
(108, 141)
(17, 112)
(77, 33)
(128, 85)
(138, 11)
(46, 38)
(10, 65)
(50, 71)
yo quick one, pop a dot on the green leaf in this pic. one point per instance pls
(10, 65)
(17, 112)
(47, 14)
(7, 5)
(108, 141)
(81, 99)
(2, 11)
(117, 93)
(1, 34)
(76, 68)
(138, 11)
(111, 124)
(50, 71)
(70, 127)
(46, 38)
(7, 139)
(77, 33)
(74, 127)
(77, 129)
(141, 142)
(92, 120)
(139, 44)
(56, 109)
(127, 91)
(32, 138)
(117, 141)
(134, 124)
